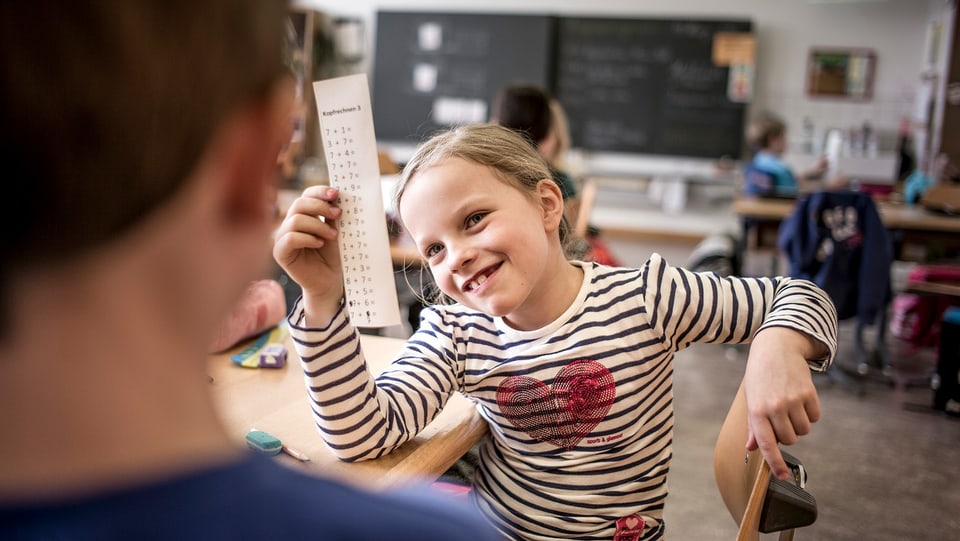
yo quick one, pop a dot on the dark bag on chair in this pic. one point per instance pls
(838, 241)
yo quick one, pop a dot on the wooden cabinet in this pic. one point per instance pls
(950, 134)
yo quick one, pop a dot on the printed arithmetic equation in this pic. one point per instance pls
(350, 147)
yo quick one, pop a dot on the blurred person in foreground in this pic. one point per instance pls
(142, 138)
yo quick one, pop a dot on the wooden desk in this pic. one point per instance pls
(275, 401)
(947, 289)
(894, 215)
(915, 229)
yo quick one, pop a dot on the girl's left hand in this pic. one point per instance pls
(782, 401)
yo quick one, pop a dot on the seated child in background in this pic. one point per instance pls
(532, 112)
(526, 109)
(767, 173)
(570, 363)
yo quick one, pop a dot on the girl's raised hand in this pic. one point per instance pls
(306, 248)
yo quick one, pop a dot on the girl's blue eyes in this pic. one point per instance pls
(471, 221)
(475, 218)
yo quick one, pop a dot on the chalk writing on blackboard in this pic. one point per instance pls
(650, 86)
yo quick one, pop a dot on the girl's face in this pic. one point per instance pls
(489, 246)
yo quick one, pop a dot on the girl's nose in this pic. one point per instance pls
(460, 255)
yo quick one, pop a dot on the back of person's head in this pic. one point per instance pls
(108, 107)
(763, 128)
(524, 109)
(511, 158)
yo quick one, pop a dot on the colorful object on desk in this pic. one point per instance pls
(262, 442)
(268, 444)
(273, 356)
(915, 186)
(261, 306)
(248, 357)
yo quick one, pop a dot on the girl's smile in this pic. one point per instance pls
(475, 283)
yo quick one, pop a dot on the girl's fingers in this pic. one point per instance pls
(309, 224)
(320, 192)
(316, 201)
(293, 241)
(783, 429)
(812, 407)
(804, 415)
(760, 436)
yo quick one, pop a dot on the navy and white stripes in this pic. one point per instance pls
(580, 411)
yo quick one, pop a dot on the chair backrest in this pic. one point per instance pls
(741, 476)
(744, 479)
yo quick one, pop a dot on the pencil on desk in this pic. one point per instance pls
(295, 454)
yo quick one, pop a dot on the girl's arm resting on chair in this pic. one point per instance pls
(793, 328)
(782, 401)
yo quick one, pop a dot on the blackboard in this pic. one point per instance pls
(628, 85)
(648, 86)
(432, 70)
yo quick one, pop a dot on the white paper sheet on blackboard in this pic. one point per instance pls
(350, 148)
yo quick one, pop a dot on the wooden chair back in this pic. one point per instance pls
(742, 477)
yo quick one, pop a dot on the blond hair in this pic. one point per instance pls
(561, 128)
(508, 155)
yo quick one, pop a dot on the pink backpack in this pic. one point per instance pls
(916, 316)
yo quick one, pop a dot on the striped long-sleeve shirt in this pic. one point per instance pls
(580, 411)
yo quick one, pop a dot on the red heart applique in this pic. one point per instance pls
(564, 413)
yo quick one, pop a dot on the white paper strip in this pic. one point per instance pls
(350, 146)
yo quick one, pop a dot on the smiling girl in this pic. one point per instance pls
(570, 363)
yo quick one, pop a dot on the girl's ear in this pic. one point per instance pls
(551, 203)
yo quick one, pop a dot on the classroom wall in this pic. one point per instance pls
(786, 29)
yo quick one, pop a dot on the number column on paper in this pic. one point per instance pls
(346, 125)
